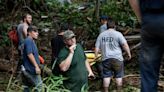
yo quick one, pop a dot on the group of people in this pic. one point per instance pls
(69, 59)
(70, 56)
(150, 14)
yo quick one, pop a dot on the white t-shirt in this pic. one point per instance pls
(109, 42)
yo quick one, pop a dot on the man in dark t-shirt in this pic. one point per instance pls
(31, 60)
(57, 44)
(72, 62)
(151, 15)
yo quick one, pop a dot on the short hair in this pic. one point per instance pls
(111, 23)
(32, 28)
(103, 17)
(25, 15)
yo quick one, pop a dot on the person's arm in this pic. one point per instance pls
(65, 64)
(123, 43)
(127, 50)
(135, 6)
(33, 61)
(97, 46)
(28, 48)
(25, 31)
(89, 69)
(96, 52)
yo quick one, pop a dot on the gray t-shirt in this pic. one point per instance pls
(20, 33)
(109, 42)
(103, 28)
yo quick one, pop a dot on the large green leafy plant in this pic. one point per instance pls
(50, 84)
(120, 11)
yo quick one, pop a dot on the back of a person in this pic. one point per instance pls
(152, 6)
(110, 44)
(153, 17)
(57, 44)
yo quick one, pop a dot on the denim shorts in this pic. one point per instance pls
(112, 67)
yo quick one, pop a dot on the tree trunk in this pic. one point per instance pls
(97, 11)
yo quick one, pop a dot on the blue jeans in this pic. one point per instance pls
(37, 84)
(152, 48)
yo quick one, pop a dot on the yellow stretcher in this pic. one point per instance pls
(91, 57)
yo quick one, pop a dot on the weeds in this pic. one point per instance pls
(50, 84)
(54, 84)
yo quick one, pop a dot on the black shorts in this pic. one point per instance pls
(112, 67)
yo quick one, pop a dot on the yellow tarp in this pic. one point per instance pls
(91, 57)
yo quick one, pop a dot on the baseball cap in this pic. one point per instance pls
(68, 34)
(104, 17)
(32, 28)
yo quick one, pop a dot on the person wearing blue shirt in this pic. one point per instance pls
(150, 14)
(31, 59)
(103, 20)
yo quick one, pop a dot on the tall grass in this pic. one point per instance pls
(54, 84)
(50, 84)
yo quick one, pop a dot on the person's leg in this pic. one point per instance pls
(119, 81)
(118, 68)
(38, 83)
(119, 84)
(106, 82)
(99, 68)
(152, 38)
(150, 57)
(106, 74)
(26, 87)
(20, 61)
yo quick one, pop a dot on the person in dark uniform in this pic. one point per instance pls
(57, 44)
(150, 14)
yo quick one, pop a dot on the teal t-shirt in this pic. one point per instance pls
(77, 73)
